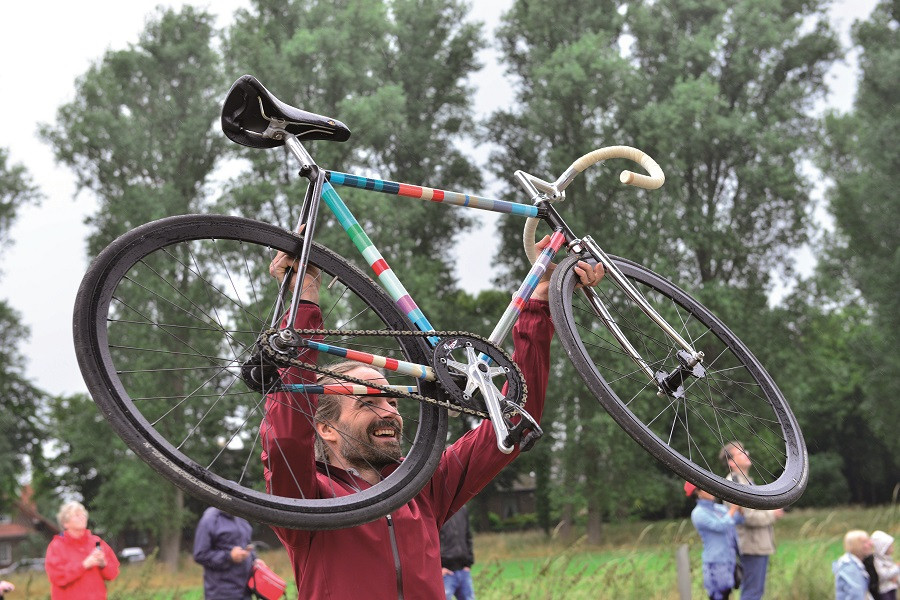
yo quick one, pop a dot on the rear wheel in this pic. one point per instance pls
(732, 399)
(166, 317)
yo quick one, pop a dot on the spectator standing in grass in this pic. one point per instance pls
(756, 535)
(78, 563)
(851, 582)
(715, 524)
(457, 556)
(888, 570)
(222, 547)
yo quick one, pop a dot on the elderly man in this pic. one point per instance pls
(397, 556)
(851, 581)
(756, 535)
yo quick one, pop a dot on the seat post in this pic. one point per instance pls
(303, 157)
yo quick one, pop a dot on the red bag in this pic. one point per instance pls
(265, 584)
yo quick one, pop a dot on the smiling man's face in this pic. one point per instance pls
(369, 427)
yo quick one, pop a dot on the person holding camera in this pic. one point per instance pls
(78, 563)
(222, 547)
(715, 524)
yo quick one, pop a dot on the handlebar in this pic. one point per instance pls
(654, 180)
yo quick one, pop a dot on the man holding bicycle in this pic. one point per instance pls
(399, 555)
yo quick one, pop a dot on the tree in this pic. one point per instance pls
(93, 463)
(20, 430)
(862, 158)
(139, 135)
(718, 93)
(403, 95)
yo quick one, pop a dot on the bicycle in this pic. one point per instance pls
(182, 335)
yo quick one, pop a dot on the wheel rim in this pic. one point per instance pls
(166, 365)
(735, 400)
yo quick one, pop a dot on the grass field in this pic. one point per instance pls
(636, 560)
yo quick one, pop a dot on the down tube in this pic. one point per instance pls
(372, 256)
(506, 322)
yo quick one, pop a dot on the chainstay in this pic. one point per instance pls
(391, 333)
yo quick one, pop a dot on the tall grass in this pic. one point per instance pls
(635, 560)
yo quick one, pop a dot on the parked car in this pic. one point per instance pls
(25, 564)
(132, 555)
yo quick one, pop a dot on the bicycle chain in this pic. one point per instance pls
(279, 357)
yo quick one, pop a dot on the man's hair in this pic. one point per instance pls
(729, 450)
(329, 409)
(67, 510)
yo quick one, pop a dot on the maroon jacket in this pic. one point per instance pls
(401, 552)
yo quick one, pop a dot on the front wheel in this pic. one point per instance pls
(731, 399)
(165, 324)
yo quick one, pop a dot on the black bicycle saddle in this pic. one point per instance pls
(250, 108)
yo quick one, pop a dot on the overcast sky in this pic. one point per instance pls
(43, 53)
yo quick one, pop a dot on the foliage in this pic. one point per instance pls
(862, 158)
(16, 190)
(20, 430)
(139, 132)
(397, 78)
(718, 93)
(139, 136)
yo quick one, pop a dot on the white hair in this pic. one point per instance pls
(67, 510)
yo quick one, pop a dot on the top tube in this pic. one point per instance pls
(434, 195)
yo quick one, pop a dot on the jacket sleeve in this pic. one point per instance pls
(758, 518)
(111, 570)
(61, 569)
(287, 431)
(704, 519)
(205, 553)
(474, 460)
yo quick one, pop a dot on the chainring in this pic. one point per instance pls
(454, 355)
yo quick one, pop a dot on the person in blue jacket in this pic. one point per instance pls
(222, 547)
(715, 524)
(851, 582)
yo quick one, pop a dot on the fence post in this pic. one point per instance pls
(683, 566)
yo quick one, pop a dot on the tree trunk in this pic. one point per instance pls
(170, 536)
(594, 522)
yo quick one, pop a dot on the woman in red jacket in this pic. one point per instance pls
(78, 563)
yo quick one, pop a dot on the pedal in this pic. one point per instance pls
(527, 442)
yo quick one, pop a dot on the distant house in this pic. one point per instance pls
(20, 528)
(517, 499)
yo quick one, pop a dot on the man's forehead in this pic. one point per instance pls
(367, 374)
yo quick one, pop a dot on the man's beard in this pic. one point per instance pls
(359, 449)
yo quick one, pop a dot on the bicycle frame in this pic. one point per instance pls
(322, 188)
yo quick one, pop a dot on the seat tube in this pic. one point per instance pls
(308, 214)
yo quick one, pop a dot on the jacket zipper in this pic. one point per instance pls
(390, 523)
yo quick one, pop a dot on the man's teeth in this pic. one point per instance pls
(383, 432)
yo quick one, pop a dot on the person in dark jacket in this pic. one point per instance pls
(397, 556)
(457, 556)
(222, 547)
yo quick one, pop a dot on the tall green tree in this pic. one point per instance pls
(395, 72)
(139, 135)
(863, 158)
(20, 399)
(719, 94)
(92, 462)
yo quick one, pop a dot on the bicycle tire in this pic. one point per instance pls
(105, 326)
(720, 407)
